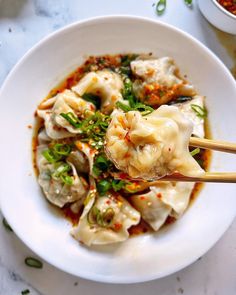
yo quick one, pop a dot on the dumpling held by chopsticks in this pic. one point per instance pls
(153, 146)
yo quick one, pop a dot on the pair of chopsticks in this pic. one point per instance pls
(222, 177)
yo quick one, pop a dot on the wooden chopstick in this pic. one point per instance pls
(210, 144)
(220, 177)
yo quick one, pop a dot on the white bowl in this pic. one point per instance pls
(218, 15)
(37, 224)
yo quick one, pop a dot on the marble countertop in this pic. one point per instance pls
(22, 24)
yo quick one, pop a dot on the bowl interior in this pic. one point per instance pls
(39, 225)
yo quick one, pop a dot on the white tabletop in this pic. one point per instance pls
(22, 24)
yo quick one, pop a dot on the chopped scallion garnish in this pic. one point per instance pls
(72, 119)
(25, 292)
(103, 186)
(33, 262)
(160, 7)
(95, 99)
(201, 112)
(188, 2)
(95, 216)
(195, 152)
(117, 184)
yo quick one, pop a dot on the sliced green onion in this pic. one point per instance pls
(66, 179)
(103, 186)
(61, 168)
(108, 216)
(200, 112)
(33, 262)
(93, 215)
(102, 219)
(72, 119)
(50, 156)
(25, 292)
(94, 99)
(117, 184)
(188, 2)
(160, 7)
(6, 225)
(127, 59)
(62, 149)
(102, 162)
(144, 109)
(123, 106)
(195, 152)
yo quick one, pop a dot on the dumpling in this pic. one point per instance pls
(158, 81)
(105, 84)
(163, 200)
(152, 146)
(79, 160)
(105, 220)
(66, 102)
(88, 152)
(57, 192)
(198, 122)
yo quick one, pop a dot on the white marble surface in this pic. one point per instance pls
(22, 24)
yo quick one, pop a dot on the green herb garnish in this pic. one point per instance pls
(104, 219)
(33, 262)
(61, 173)
(92, 129)
(200, 112)
(142, 108)
(188, 2)
(62, 149)
(102, 162)
(117, 184)
(6, 225)
(103, 186)
(160, 7)
(57, 152)
(25, 292)
(127, 59)
(195, 152)
(95, 99)
(72, 119)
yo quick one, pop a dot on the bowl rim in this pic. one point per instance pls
(222, 9)
(37, 46)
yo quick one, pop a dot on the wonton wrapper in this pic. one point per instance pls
(158, 82)
(163, 200)
(198, 122)
(105, 84)
(152, 146)
(66, 102)
(94, 234)
(56, 191)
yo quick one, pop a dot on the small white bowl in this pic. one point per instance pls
(144, 257)
(218, 15)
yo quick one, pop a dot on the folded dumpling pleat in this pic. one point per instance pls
(151, 146)
(105, 220)
(105, 84)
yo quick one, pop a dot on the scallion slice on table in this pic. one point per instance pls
(161, 7)
(25, 292)
(188, 2)
(33, 262)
